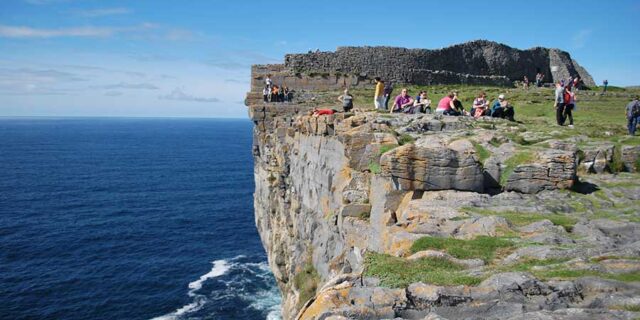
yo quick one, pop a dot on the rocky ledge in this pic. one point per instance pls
(378, 216)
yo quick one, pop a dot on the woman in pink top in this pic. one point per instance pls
(446, 104)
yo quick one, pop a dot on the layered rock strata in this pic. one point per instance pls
(334, 192)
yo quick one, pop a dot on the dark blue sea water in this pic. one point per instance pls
(130, 219)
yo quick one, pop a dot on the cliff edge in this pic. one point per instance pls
(370, 215)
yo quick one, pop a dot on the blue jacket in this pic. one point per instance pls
(496, 105)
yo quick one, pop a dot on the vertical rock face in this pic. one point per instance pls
(330, 188)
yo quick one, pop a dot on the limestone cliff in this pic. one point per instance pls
(330, 190)
(369, 215)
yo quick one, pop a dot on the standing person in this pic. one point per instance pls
(538, 79)
(559, 103)
(265, 94)
(388, 89)
(275, 94)
(605, 83)
(268, 81)
(525, 82)
(633, 115)
(378, 97)
(347, 101)
(402, 101)
(569, 99)
(285, 93)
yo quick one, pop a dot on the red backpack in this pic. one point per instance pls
(566, 97)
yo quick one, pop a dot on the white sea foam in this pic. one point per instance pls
(220, 267)
(266, 300)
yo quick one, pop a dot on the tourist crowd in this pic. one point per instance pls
(275, 93)
(449, 105)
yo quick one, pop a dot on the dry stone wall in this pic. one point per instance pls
(477, 62)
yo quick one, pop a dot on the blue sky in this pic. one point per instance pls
(191, 58)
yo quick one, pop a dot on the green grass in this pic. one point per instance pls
(387, 147)
(565, 273)
(627, 307)
(524, 218)
(522, 157)
(557, 269)
(405, 139)
(596, 114)
(397, 272)
(374, 167)
(482, 247)
(616, 162)
(483, 154)
(306, 281)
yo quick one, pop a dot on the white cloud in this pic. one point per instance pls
(122, 85)
(88, 31)
(580, 39)
(100, 12)
(27, 32)
(36, 81)
(178, 94)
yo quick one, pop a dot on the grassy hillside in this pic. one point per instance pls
(598, 116)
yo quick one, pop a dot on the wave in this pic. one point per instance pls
(239, 281)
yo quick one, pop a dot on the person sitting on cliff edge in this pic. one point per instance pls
(402, 101)
(480, 105)
(446, 106)
(422, 103)
(347, 101)
(502, 109)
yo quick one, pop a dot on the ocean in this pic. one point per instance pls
(129, 218)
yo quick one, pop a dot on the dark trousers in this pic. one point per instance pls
(560, 114)
(567, 113)
(632, 124)
(386, 101)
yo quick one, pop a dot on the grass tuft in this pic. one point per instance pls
(387, 147)
(405, 139)
(483, 154)
(306, 281)
(397, 272)
(524, 218)
(374, 167)
(482, 247)
(522, 157)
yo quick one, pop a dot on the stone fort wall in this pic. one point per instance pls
(478, 62)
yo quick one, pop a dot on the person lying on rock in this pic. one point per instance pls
(502, 109)
(422, 103)
(323, 112)
(402, 101)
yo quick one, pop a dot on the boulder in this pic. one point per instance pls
(432, 164)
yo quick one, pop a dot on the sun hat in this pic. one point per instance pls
(501, 97)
